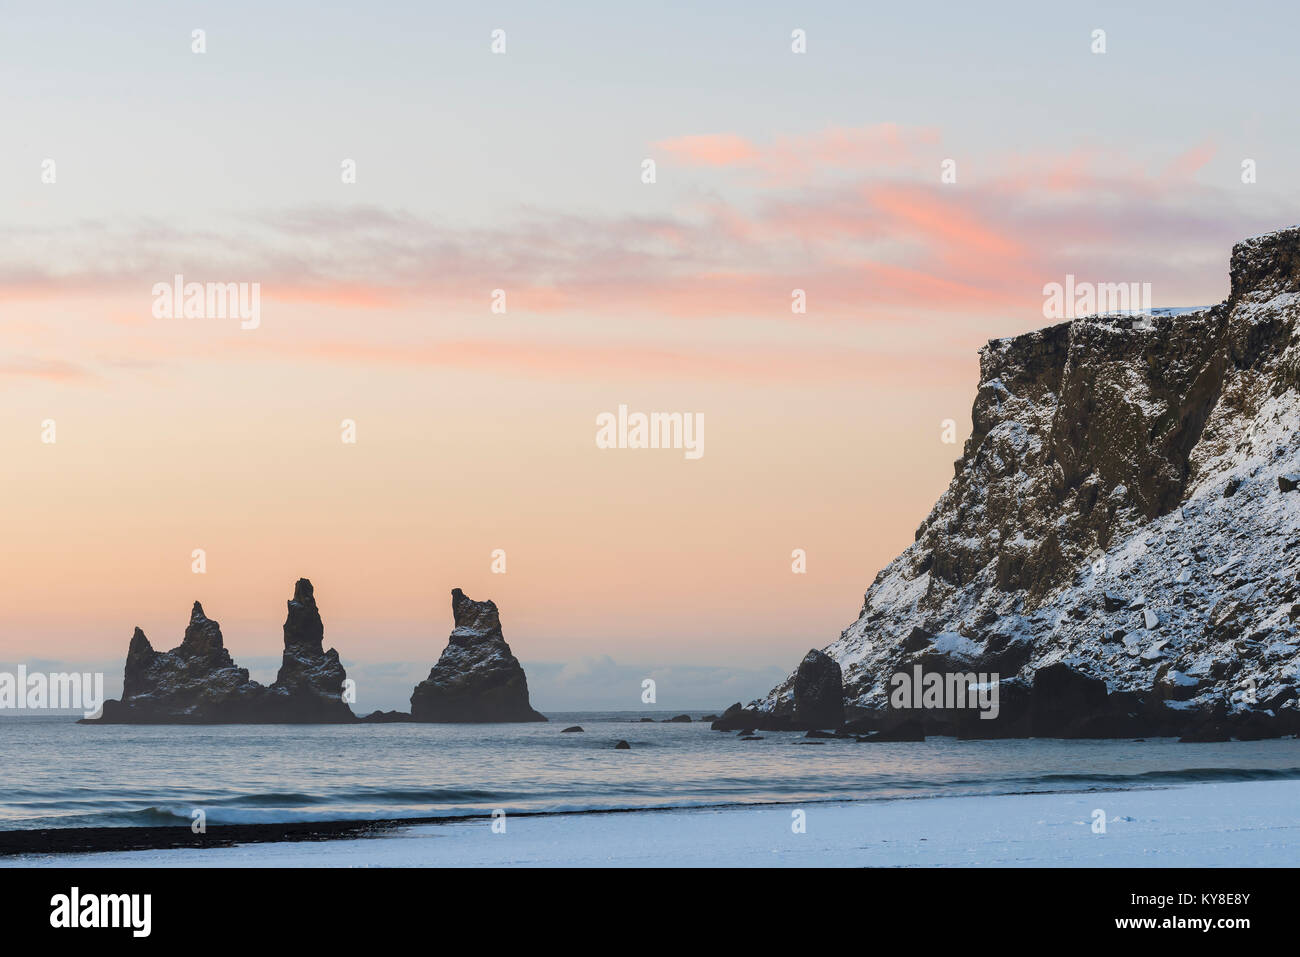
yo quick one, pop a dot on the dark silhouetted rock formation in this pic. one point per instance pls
(476, 679)
(741, 718)
(818, 692)
(309, 685)
(386, 717)
(197, 682)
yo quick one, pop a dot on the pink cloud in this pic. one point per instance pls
(866, 241)
(566, 361)
(1188, 164)
(788, 160)
(50, 370)
(717, 149)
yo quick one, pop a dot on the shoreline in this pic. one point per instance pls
(1201, 824)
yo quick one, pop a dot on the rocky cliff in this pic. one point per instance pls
(476, 679)
(197, 682)
(1121, 541)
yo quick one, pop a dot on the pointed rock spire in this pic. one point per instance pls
(310, 683)
(139, 643)
(197, 682)
(474, 619)
(476, 678)
(139, 658)
(303, 627)
(311, 680)
(202, 636)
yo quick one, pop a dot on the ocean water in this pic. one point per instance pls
(57, 773)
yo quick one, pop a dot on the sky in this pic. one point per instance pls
(520, 176)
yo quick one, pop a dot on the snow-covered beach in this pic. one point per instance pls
(1197, 825)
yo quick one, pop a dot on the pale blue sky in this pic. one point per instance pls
(140, 125)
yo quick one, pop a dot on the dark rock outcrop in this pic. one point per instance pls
(197, 682)
(1060, 697)
(739, 718)
(309, 686)
(386, 717)
(1123, 521)
(476, 679)
(818, 692)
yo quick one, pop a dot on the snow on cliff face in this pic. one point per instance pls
(1125, 505)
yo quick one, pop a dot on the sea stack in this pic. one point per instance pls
(309, 686)
(197, 682)
(476, 679)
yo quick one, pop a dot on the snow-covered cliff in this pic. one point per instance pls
(1126, 506)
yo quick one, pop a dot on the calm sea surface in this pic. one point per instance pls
(56, 773)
